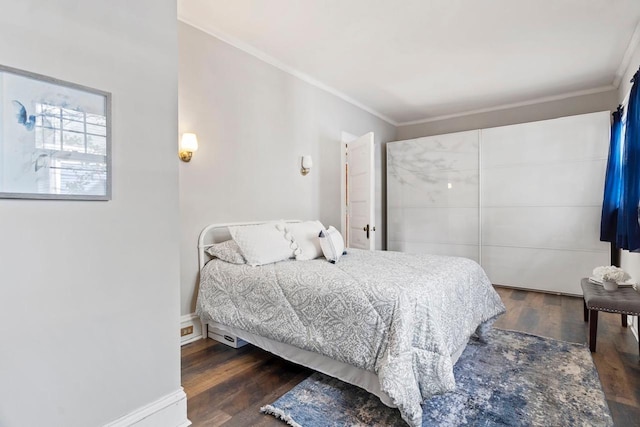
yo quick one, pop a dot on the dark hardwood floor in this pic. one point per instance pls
(227, 387)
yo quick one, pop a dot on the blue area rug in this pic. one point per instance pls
(512, 379)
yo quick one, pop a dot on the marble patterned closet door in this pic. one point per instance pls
(432, 195)
(541, 195)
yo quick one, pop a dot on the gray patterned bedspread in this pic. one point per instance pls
(399, 315)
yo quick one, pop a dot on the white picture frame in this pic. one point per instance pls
(55, 138)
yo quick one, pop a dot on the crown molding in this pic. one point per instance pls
(628, 54)
(251, 50)
(512, 105)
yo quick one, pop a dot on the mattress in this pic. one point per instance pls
(398, 316)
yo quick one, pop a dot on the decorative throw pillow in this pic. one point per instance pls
(227, 251)
(332, 244)
(305, 235)
(263, 243)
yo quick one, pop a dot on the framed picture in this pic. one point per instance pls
(55, 138)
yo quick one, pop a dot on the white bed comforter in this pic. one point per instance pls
(401, 316)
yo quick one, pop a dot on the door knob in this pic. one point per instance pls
(368, 229)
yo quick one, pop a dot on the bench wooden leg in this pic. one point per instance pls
(624, 320)
(593, 329)
(586, 311)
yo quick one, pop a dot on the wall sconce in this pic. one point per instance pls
(306, 164)
(188, 144)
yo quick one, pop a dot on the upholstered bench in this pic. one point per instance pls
(625, 301)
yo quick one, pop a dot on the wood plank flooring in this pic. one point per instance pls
(227, 387)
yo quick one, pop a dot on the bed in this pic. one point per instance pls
(389, 322)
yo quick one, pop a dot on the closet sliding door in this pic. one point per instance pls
(541, 198)
(432, 195)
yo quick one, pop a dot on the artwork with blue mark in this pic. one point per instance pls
(21, 113)
(55, 138)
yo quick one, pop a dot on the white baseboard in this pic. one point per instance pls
(168, 411)
(191, 320)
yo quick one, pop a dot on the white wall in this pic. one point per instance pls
(89, 291)
(253, 122)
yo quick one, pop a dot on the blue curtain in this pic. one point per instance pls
(613, 181)
(628, 229)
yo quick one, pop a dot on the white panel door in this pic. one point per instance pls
(432, 195)
(361, 193)
(541, 192)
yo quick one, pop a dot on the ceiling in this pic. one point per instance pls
(416, 60)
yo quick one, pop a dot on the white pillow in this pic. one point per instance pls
(227, 251)
(332, 244)
(305, 234)
(264, 243)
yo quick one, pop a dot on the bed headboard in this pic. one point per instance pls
(216, 233)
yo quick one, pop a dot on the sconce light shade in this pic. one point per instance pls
(188, 144)
(306, 165)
